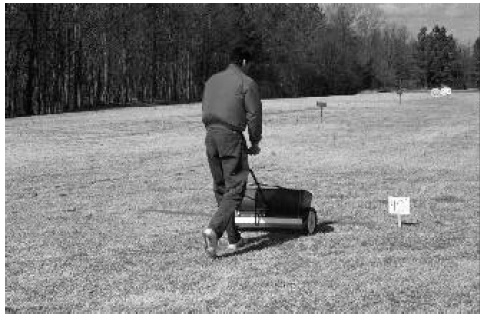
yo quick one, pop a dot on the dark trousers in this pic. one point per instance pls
(228, 162)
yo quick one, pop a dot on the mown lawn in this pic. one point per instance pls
(104, 211)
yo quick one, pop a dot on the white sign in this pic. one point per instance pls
(438, 92)
(399, 205)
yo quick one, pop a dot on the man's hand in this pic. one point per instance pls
(254, 149)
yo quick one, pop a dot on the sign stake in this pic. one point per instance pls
(321, 105)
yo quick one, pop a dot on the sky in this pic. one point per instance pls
(462, 20)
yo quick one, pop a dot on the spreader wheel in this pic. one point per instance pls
(310, 222)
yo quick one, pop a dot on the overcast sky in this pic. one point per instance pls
(460, 20)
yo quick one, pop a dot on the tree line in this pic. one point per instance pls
(72, 57)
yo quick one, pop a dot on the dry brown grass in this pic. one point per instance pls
(104, 211)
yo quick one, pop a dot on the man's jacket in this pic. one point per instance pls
(231, 99)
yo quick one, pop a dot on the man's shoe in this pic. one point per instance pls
(237, 245)
(210, 240)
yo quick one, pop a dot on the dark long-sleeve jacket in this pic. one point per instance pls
(231, 99)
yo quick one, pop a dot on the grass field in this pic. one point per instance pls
(104, 211)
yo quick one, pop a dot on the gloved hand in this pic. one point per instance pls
(254, 149)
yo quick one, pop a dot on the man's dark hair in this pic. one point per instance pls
(240, 53)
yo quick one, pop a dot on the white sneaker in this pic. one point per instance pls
(210, 240)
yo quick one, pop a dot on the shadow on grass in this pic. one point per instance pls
(275, 237)
(9, 310)
(175, 212)
(410, 223)
(325, 227)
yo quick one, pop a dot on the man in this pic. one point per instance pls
(231, 102)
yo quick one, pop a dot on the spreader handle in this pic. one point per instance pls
(259, 186)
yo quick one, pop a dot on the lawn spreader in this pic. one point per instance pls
(274, 207)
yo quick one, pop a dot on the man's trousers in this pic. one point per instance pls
(228, 162)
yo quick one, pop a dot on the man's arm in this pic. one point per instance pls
(254, 113)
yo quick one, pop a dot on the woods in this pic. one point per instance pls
(72, 57)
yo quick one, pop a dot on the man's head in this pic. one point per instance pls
(241, 56)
